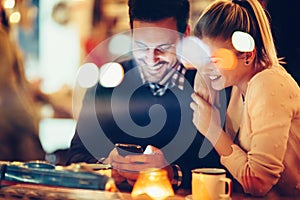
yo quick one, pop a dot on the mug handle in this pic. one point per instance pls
(229, 190)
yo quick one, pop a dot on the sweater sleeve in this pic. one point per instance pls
(88, 143)
(258, 162)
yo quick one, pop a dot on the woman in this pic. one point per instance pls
(260, 143)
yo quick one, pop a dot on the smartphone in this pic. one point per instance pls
(128, 149)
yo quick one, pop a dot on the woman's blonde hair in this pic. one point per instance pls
(223, 17)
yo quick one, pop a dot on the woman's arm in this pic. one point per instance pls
(257, 162)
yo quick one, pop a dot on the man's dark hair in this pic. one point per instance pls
(155, 10)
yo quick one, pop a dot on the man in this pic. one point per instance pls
(151, 105)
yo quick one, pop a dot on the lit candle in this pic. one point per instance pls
(154, 183)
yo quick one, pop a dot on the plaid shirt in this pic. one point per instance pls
(176, 79)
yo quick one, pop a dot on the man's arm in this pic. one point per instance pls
(87, 134)
(78, 152)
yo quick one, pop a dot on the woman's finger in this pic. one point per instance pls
(193, 106)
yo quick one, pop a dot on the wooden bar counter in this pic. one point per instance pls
(39, 192)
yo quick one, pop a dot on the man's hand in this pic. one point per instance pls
(129, 166)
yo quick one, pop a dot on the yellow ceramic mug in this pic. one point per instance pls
(210, 184)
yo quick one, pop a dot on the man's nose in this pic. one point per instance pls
(152, 56)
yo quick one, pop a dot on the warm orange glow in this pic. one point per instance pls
(153, 183)
(224, 59)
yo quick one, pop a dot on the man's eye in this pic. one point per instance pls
(165, 47)
(140, 47)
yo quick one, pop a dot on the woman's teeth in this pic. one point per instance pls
(214, 77)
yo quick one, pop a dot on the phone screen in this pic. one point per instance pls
(128, 149)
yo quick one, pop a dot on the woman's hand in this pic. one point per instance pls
(206, 117)
(202, 86)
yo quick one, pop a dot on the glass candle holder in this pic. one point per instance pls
(153, 183)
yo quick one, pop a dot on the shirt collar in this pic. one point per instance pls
(176, 79)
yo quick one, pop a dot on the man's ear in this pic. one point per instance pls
(187, 31)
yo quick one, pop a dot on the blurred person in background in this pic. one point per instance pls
(260, 144)
(19, 140)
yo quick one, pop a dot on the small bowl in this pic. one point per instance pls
(39, 164)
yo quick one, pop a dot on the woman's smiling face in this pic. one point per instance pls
(225, 76)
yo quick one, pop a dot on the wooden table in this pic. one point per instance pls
(39, 192)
